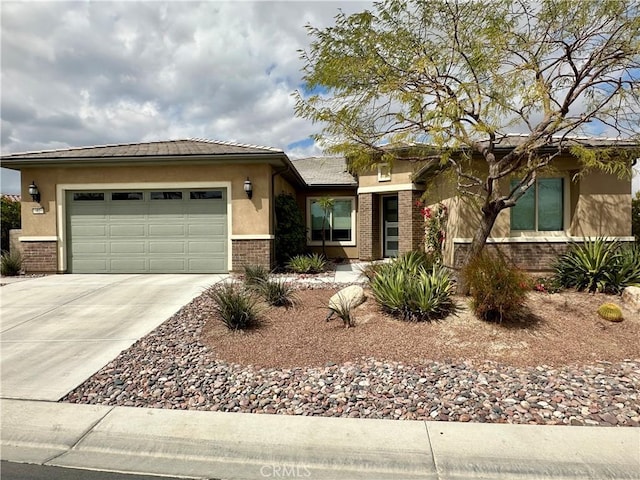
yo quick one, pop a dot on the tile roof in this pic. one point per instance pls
(317, 171)
(10, 197)
(195, 146)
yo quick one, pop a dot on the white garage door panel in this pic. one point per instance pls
(146, 234)
(166, 230)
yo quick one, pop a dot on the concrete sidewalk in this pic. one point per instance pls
(250, 446)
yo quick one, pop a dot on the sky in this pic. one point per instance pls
(96, 73)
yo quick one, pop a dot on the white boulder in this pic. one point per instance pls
(347, 298)
(631, 298)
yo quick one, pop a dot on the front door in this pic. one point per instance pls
(390, 229)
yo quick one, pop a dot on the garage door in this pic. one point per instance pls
(147, 231)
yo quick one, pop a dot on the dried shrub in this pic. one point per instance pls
(498, 289)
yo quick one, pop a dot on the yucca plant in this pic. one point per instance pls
(342, 308)
(277, 293)
(238, 308)
(11, 263)
(254, 274)
(313, 263)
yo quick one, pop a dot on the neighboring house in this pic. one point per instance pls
(181, 206)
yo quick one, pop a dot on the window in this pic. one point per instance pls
(166, 195)
(541, 208)
(88, 197)
(339, 222)
(206, 195)
(384, 173)
(126, 196)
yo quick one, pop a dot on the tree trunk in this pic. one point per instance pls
(489, 214)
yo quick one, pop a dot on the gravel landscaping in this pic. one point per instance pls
(559, 366)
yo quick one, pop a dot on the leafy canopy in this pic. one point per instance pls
(460, 74)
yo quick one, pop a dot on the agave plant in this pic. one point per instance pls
(599, 266)
(11, 263)
(413, 292)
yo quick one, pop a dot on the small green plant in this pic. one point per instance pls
(498, 289)
(238, 308)
(254, 274)
(342, 308)
(610, 312)
(277, 293)
(11, 263)
(547, 285)
(313, 263)
(413, 294)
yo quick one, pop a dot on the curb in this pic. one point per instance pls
(198, 444)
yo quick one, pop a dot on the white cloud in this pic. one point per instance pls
(92, 73)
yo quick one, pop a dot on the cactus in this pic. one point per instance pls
(610, 311)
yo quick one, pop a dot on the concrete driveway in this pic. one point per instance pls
(56, 331)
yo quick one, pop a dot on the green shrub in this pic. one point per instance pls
(599, 266)
(277, 293)
(254, 274)
(413, 292)
(498, 289)
(11, 263)
(291, 231)
(313, 263)
(10, 220)
(238, 308)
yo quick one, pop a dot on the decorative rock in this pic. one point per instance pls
(349, 297)
(631, 297)
(603, 393)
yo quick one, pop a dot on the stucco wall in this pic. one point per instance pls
(250, 217)
(597, 204)
(400, 175)
(603, 206)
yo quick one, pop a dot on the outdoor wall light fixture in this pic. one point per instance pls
(34, 192)
(248, 188)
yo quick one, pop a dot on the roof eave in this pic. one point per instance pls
(273, 158)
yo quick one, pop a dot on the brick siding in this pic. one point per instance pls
(369, 226)
(252, 252)
(534, 256)
(410, 222)
(40, 257)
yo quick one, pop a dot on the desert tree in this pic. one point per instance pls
(457, 76)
